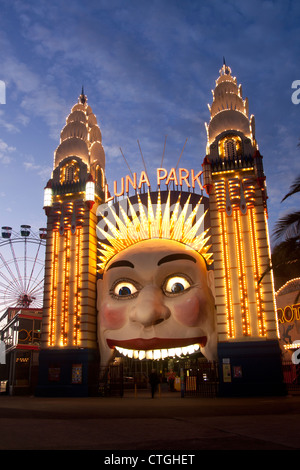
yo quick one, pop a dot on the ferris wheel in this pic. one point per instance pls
(22, 261)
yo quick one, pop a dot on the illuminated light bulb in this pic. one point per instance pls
(135, 354)
(90, 192)
(47, 197)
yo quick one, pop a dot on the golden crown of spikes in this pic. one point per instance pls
(150, 225)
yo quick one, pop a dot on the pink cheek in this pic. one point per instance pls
(188, 312)
(112, 318)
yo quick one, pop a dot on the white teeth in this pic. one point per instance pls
(149, 354)
(156, 354)
(135, 353)
(164, 353)
(142, 355)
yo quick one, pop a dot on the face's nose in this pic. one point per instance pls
(149, 308)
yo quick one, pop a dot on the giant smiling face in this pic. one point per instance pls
(156, 296)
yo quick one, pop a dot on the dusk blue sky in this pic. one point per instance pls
(148, 69)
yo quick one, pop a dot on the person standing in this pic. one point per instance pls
(171, 380)
(153, 380)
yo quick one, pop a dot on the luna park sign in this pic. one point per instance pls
(179, 177)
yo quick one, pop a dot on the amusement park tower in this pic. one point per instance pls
(234, 180)
(69, 353)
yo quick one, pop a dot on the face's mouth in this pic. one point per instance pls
(157, 348)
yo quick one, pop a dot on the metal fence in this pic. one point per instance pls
(203, 380)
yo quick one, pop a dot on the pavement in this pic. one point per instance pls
(136, 422)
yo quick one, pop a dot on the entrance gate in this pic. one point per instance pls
(203, 380)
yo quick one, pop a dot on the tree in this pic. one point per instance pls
(289, 225)
(285, 259)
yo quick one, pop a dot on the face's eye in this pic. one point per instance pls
(124, 289)
(176, 285)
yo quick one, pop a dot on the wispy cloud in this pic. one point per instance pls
(34, 97)
(44, 172)
(6, 152)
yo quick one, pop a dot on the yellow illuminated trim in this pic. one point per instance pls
(223, 172)
(234, 192)
(68, 209)
(292, 346)
(227, 279)
(229, 138)
(271, 272)
(220, 190)
(77, 298)
(249, 191)
(258, 288)
(66, 280)
(295, 279)
(71, 165)
(52, 319)
(241, 274)
(220, 194)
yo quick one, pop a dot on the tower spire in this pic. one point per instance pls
(82, 97)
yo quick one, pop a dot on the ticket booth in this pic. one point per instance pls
(21, 336)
